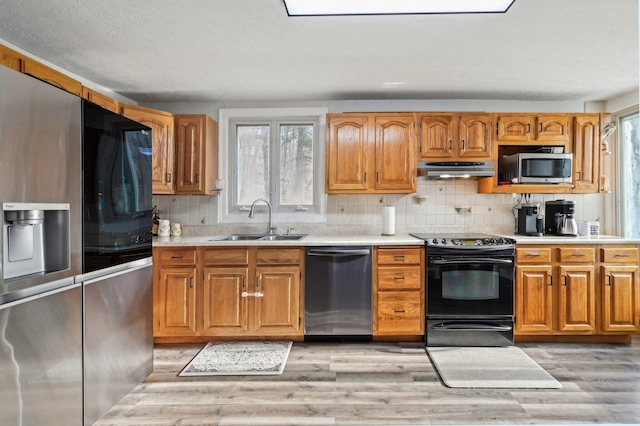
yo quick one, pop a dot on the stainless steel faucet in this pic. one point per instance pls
(271, 227)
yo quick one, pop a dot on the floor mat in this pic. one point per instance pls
(489, 367)
(239, 359)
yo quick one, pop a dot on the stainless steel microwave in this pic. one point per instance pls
(535, 167)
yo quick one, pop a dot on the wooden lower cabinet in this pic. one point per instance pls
(398, 292)
(561, 292)
(228, 293)
(175, 280)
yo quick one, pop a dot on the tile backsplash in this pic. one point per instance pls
(450, 206)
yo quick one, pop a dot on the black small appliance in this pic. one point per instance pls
(553, 213)
(530, 220)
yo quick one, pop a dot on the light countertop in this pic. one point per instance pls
(376, 240)
(309, 240)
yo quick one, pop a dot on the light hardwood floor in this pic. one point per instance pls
(385, 384)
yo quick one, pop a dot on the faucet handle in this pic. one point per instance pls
(289, 230)
(272, 230)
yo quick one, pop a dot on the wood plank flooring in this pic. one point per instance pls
(385, 384)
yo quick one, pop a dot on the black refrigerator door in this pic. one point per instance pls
(116, 189)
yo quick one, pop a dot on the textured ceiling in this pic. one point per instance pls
(250, 50)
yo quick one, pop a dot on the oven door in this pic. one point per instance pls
(469, 286)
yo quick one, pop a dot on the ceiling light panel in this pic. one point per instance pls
(393, 7)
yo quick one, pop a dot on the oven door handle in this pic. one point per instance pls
(470, 327)
(468, 260)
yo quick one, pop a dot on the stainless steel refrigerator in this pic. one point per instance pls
(75, 265)
(40, 302)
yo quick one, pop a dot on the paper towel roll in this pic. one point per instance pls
(389, 221)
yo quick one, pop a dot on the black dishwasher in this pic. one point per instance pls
(338, 298)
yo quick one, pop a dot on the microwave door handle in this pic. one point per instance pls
(461, 261)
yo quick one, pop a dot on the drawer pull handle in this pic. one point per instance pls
(177, 257)
(534, 254)
(399, 311)
(578, 254)
(621, 255)
(398, 256)
(398, 278)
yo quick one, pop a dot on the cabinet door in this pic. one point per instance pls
(161, 124)
(474, 136)
(277, 311)
(437, 133)
(577, 299)
(224, 308)
(534, 299)
(553, 128)
(586, 153)
(620, 298)
(190, 154)
(347, 153)
(396, 165)
(174, 307)
(514, 128)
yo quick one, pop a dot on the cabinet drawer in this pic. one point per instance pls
(399, 278)
(177, 256)
(399, 312)
(533, 255)
(619, 254)
(399, 256)
(577, 254)
(290, 256)
(227, 256)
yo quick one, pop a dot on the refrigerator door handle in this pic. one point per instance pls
(114, 270)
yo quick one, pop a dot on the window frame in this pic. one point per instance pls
(228, 210)
(621, 225)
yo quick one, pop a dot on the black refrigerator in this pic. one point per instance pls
(116, 257)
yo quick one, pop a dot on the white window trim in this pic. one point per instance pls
(225, 215)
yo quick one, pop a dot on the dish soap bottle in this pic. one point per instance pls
(156, 221)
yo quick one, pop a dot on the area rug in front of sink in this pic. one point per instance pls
(489, 367)
(239, 359)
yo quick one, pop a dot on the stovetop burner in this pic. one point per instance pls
(464, 240)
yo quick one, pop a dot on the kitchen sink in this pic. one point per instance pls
(283, 237)
(259, 237)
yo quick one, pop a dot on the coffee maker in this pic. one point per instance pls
(559, 218)
(530, 220)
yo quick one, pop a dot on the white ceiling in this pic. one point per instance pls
(250, 50)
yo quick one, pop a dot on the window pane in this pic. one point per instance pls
(296, 164)
(252, 155)
(630, 174)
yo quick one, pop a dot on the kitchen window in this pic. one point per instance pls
(277, 155)
(629, 146)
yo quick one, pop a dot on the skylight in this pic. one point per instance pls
(393, 7)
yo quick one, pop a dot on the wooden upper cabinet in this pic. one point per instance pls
(455, 136)
(474, 136)
(436, 136)
(586, 153)
(51, 76)
(526, 128)
(99, 99)
(162, 128)
(10, 58)
(553, 128)
(368, 153)
(197, 154)
(396, 165)
(347, 153)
